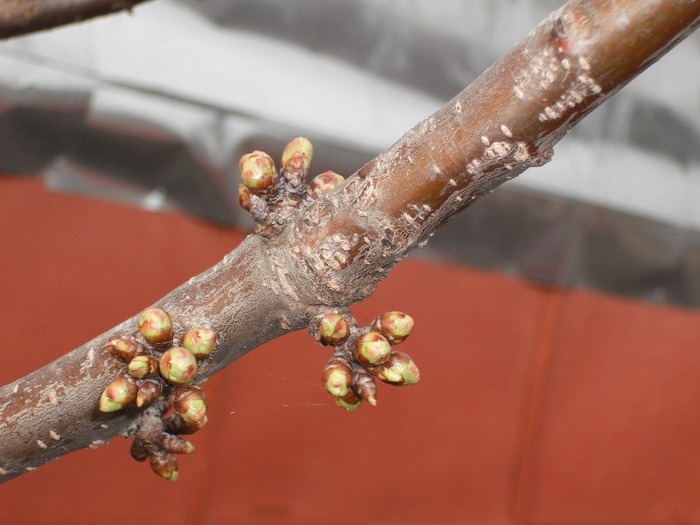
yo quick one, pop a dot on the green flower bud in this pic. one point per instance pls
(178, 366)
(191, 403)
(398, 370)
(119, 394)
(200, 341)
(300, 149)
(333, 329)
(326, 182)
(148, 392)
(337, 378)
(124, 349)
(258, 171)
(165, 465)
(395, 326)
(372, 348)
(143, 366)
(156, 327)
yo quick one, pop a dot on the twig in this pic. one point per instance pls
(334, 252)
(19, 17)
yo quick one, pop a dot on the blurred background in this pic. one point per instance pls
(557, 326)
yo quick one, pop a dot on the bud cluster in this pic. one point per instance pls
(160, 366)
(362, 355)
(270, 196)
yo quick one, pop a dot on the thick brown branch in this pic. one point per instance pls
(19, 17)
(334, 252)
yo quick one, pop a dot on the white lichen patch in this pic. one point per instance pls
(103, 426)
(52, 397)
(96, 444)
(518, 93)
(485, 140)
(41, 444)
(54, 435)
(583, 64)
(497, 149)
(506, 131)
(30, 469)
(521, 153)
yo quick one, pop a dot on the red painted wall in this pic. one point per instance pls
(536, 405)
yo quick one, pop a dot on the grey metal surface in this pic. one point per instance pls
(155, 108)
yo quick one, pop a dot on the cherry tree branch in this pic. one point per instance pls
(19, 17)
(334, 252)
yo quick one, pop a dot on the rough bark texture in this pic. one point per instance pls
(19, 17)
(334, 252)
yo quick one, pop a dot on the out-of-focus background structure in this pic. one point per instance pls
(557, 326)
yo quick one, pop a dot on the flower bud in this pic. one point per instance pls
(300, 149)
(333, 329)
(156, 327)
(200, 341)
(337, 378)
(326, 182)
(395, 326)
(372, 348)
(398, 370)
(119, 394)
(148, 392)
(258, 171)
(143, 366)
(124, 349)
(175, 444)
(165, 465)
(191, 403)
(178, 366)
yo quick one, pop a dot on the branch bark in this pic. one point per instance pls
(333, 253)
(19, 17)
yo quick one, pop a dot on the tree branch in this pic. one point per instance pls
(19, 17)
(334, 252)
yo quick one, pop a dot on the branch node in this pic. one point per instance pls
(361, 355)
